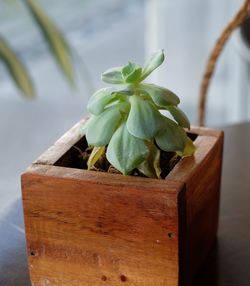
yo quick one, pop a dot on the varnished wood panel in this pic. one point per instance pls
(202, 181)
(90, 232)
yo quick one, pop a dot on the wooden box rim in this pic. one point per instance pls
(206, 141)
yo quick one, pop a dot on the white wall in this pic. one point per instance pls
(187, 30)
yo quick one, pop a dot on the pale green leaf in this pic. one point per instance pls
(85, 125)
(179, 116)
(125, 152)
(131, 73)
(172, 137)
(100, 99)
(126, 91)
(121, 101)
(16, 68)
(95, 155)
(150, 167)
(154, 62)
(188, 150)
(113, 75)
(144, 120)
(100, 128)
(123, 106)
(161, 96)
(54, 39)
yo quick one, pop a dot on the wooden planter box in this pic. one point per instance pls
(90, 228)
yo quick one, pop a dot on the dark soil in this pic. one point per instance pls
(78, 155)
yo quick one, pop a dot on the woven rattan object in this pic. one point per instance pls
(239, 17)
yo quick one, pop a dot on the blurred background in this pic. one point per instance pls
(103, 34)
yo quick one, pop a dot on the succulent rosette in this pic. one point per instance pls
(127, 124)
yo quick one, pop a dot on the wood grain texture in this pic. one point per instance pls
(202, 199)
(91, 228)
(80, 231)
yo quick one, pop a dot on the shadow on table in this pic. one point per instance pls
(13, 265)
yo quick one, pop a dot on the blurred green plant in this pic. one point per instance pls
(127, 124)
(56, 42)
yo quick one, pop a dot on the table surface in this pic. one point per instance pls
(229, 261)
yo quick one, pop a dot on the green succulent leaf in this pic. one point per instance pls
(95, 155)
(54, 38)
(150, 167)
(126, 91)
(188, 150)
(131, 73)
(17, 70)
(179, 116)
(100, 99)
(161, 96)
(123, 106)
(129, 123)
(100, 129)
(154, 62)
(113, 75)
(172, 137)
(125, 152)
(144, 120)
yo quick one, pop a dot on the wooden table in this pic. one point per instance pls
(229, 262)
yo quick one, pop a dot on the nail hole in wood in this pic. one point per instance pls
(123, 278)
(104, 278)
(32, 253)
(170, 235)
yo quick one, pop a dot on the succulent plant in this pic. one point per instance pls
(127, 124)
